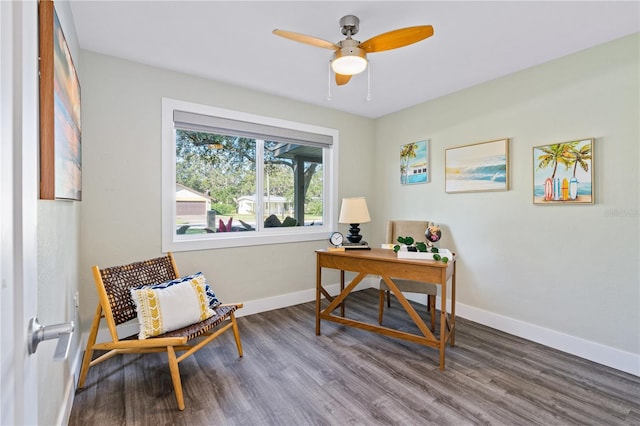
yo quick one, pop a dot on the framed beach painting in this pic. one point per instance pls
(414, 163)
(478, 167)
(563, 173)
(60, 127)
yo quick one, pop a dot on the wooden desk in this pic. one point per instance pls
(386, 264)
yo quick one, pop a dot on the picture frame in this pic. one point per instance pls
(478, 167)
(60, 120)
(563, 173)
(414, 163)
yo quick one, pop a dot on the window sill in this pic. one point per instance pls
(179, 243)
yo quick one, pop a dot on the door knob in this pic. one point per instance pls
(37, 333)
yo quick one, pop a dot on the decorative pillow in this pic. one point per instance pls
(172, 307)
(213, 300)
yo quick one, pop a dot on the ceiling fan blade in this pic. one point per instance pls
(396, 38)
(342, 79)
(302, 38)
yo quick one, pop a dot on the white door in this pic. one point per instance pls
(18, 208)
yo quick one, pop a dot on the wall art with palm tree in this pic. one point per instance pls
(414, 161)
(563, 173)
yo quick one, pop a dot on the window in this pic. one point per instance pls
(235, 179)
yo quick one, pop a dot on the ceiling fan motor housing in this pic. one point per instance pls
(350, 25)
(349, 47)
(349, 59)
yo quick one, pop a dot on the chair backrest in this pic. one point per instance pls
(116, 282)
(406, 228)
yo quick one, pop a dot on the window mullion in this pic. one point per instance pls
(259, 184)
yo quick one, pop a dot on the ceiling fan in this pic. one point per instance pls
(350, 56)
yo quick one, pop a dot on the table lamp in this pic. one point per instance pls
(354, 211)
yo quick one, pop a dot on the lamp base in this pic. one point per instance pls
(354, 233)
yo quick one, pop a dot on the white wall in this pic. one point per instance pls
(122, 176)
(58, 257)
(565, 273)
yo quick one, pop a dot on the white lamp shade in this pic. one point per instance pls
(354, 210)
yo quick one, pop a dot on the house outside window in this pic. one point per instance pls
(235, 179)
(273, 204)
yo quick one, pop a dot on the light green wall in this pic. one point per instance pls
(58, 257)
(572, 269)
(58, 244)
(122, 170)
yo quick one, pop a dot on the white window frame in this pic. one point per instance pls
(176, 242)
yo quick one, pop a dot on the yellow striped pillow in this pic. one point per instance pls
(165, 309)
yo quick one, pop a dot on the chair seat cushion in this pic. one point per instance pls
(194, 330)
(411, 286)
(165, 308)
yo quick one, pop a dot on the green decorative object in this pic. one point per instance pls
(411, 245)
(419, 247)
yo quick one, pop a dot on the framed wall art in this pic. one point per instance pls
(563, 173)
(478, 167)
(414, 163)
(60, 126)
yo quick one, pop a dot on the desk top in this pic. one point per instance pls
(385, 255)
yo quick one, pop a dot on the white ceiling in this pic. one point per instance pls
(474, 42)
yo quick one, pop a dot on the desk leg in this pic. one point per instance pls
(318, 296)
(341, 290)
(443, 324)
(453, 306)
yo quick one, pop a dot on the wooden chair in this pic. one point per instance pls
(117, 307)
(415, 229)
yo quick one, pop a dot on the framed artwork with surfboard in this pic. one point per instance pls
(563, 173)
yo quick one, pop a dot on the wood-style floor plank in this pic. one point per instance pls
(346, 376)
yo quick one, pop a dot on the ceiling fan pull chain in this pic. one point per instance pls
(329, 97)
(369, 82)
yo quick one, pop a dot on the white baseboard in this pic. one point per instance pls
(250, 307)
(70, 387)
(596, 352)
(276, 302)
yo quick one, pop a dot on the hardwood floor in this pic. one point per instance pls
(290, 376)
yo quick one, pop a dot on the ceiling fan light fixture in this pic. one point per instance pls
(349, 61)
(350, 56)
